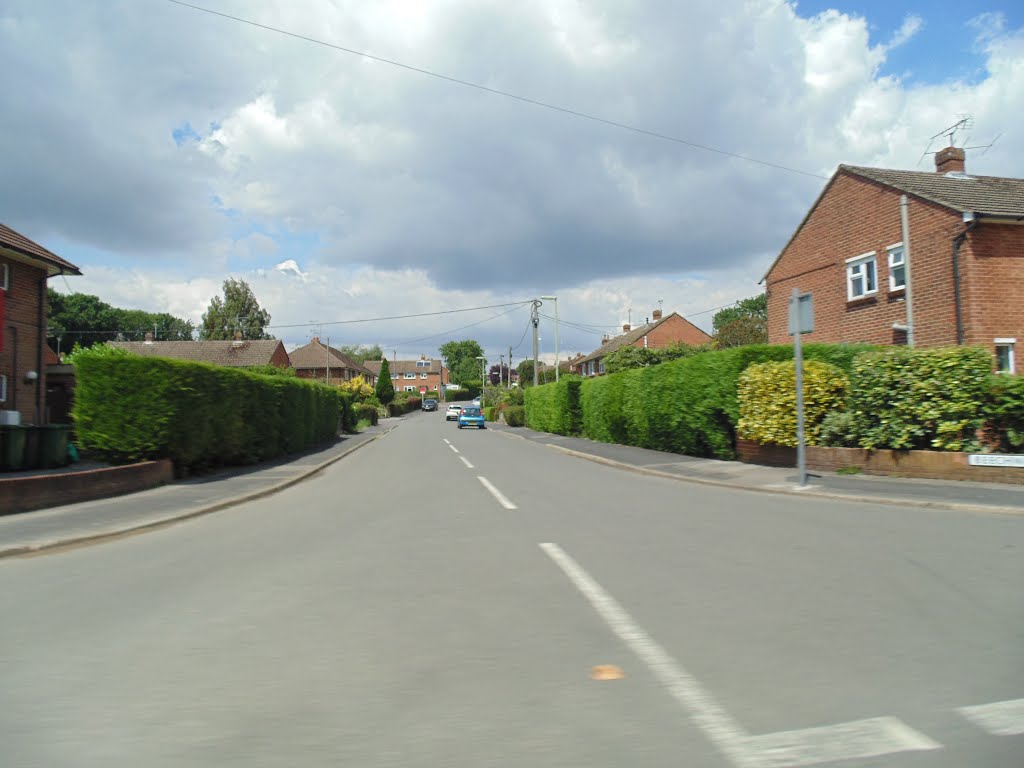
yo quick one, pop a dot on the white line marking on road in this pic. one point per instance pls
(446, 440)
(862, 738)
(844, 741)
(1004, 718)
(453, 447)
(502, 499)
(466, 461)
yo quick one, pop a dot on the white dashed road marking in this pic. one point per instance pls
(453, 447)
(845, 741)
(466, 461)
(1004, 718)
(502, 499)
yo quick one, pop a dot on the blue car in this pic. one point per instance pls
(471, 417)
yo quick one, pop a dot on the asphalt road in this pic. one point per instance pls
(441, 597)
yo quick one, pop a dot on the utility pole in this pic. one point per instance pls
(510, 365)
(535, 319)
(328, 350)
(501, 368)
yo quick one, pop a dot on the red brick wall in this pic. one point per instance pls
(854, 217)
(22, 340)
(673, 331)
(280, 357)
(993, 260)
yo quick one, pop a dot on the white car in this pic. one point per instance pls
(476, 402)
(452, 414)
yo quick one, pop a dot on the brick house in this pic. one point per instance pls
(966, 260)
(659, 332)
(240, 353)
(319, 361)
(423, 375)
(25, 267)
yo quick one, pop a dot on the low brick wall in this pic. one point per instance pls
(932, 465)
(23, 494)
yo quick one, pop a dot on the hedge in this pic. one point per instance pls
(491, 413)
(555, 407)
(689, 405)
(198, 415)
(365, 412)
(912, 398)
(515, 416)
(767, 399)
(1005, 426)
(346, 407)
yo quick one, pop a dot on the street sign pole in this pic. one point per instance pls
(801, 321)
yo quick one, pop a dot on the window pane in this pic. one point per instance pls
(1004, 358)
(856, 283)
(869, 269)
(897, 277)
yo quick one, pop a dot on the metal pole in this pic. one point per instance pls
(909, 294)
(798, 364)
(510, 365)
(328, 360)
(556, 341)
(536, 320)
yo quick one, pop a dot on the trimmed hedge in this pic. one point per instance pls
(346, 408)
(767, 398)
(198, 415)
(689, 405)
(555, 407)
(365, 412)
(1005, 427)
(912, 398)
(515, 416)
(491, 413)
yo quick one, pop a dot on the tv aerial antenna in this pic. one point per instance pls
(963, 124)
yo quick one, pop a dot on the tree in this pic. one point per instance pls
(744, 323)
(460, 357)
(545, 373)
(384, 390)
(83, 319)
(237, 311)
(361, 353)
(497, 374)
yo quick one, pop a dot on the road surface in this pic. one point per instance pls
(446, 597)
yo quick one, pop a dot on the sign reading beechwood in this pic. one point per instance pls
(995, 460)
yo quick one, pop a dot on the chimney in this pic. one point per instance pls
(316, 339)
(949, 160)
(625, 327)
(656, 314)
(423, 357)
(238, 339)
(605, 339)
(149, 337)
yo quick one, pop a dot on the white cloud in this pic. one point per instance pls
(400, 193)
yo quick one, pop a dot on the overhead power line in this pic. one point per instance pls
(454, 330)
(499, 92)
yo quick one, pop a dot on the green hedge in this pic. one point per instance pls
(346, 407)
(689, 405)
(365, 412)
(491, 413)
(1005, 426)
(912, 398)
(131, 408)
(555, 407)
(515, 416)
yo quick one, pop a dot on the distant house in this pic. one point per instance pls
(966, 260)
(319, 361)
(660, 332)
(423, 375)
(25, 267)
(240, 353)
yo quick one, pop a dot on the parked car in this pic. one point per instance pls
(471, 417)
(429, 405)
(452, 414)
(476, 402)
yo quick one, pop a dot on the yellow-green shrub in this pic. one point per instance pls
(767, 400)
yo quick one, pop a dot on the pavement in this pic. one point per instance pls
(103, 518)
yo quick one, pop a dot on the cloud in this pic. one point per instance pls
(194, 148)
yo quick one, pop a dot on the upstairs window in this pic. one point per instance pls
(3, 389)
(422, 363)
(1004, 356)
(5, 276)
(423, 375)
(410, 375)
(897, 267)
(861, 276)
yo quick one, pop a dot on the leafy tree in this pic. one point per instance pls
(361, 353)
(83, 319)
(460, 359)
(545, 373)
(384, 390)
(744, 323)
(359, 388)
(497, 374)
(237, 311)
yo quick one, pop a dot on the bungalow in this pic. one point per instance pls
(320, 361)
(239, 353)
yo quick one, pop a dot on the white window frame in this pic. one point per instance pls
(854, 271)
(410, 389)
(5, 277)
(3, 388)
(410, 375)
(422, 363)
(1007, 344)
(423, 375)
(893, 250)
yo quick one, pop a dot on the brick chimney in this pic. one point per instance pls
(656, 314)
(949, 160)
(316, 340)
(605, 339)
(149, 337)
(625, 328)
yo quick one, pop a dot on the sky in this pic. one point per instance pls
(164, 149)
